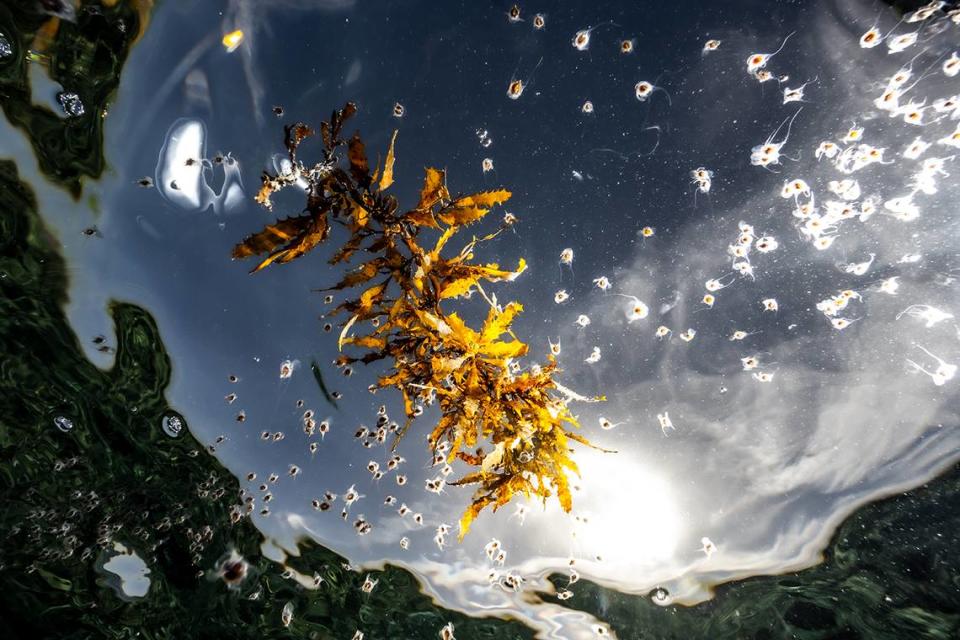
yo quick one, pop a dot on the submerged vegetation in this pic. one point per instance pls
(483, 393)
(94, 465)
(83, 50)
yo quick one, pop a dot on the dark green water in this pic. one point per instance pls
(891, 571)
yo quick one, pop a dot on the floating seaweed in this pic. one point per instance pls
(511, 424)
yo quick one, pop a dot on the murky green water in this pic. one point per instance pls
(122, 509)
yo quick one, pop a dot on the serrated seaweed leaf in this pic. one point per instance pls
(484, 199)
(423, 218)
(347, 250)
(387, 178)
(271, 237)
(498, 322)
(361, 274)
(313, 234)
(462, 215)
(470, 515)
(357, 154)
(434, 188)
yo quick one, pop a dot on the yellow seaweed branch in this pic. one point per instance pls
(510, 424)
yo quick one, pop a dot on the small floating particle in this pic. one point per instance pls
(232, 40)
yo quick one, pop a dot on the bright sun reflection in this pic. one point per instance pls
(632, 518)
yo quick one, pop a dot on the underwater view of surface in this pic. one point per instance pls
(468, 319)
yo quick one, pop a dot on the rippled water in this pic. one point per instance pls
(765, 467)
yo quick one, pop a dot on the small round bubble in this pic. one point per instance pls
(172, 425)
(660, 596)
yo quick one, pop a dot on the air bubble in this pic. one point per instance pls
(63, 423)
(660, 596)
(172, 425)
(71, 104)
(6, 49)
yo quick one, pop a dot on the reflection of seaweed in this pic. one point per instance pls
(85, 57)
(434, 355)
(318, 376)
(115, 475)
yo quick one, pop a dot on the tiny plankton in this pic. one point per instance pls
(561, 296)
(826, 148)
(840, 323)
(889, 286)
(708, 547)
(915, 149)
(581, 39)
(554, 346)
(665, 422)
(713, 285)
(637, 310)
(766, 244)
(758, 61)
(854, 134)
(951, 66)
(942, 374)
(770, 304)
(286, 369)
(607, 425)
(901, 42)
(710, 45)
(769, 152)
(799, 186)
(795, 95)
(871, 38)
(703, 178)
(643, 90)
(928, 314)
